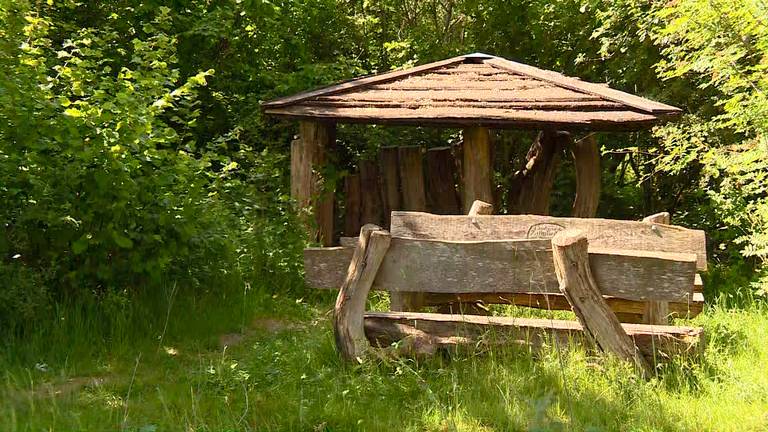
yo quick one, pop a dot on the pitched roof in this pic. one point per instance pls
(475, 89)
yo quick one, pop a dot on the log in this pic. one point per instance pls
(571, 259)
(532, 185)
(586, 159)
(414, 198)
(390, 182)
(352, 214)
(478, 172)
(602, 233)
(308, 155)
(657, 312)
(350, 303)
(441, 181)
(372, 210)
(448, 331)
(526, 266)
(480, 208)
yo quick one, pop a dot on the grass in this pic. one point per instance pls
(144, 372)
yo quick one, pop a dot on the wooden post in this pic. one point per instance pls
(478, 170)
(352, 205)
(472, 307)
(308, 155)
(350, 303)
(390, 182)
(586, 159)
(571, 259)
(532, 185)
(441, 181)
(414, 199)
(372, 208)
(657, 312)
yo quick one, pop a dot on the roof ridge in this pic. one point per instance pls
(570, 83)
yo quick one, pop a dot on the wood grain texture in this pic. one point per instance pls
(526, 266)
(580, 288)
(477, 166)
(442, 197)
(586, 160)
(352, 205)
(658, 312)
(601, 233)
(326, 267)
(480, 208)
(656, 343)
(350, 303)
(372, 209)
(390, 181)
(308, 157)
(532, 185)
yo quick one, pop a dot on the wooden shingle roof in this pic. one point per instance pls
(476, 89)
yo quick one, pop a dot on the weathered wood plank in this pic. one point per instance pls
(326, 267)
(654, 342)
(526, 266)
(601, 233)
(372, 209)
(441, 181)
(480, 208)
(477, 167)
(390, 182)
(350, 303)
(352, 205)
(586, 159)
(577, 283)
(657, 312)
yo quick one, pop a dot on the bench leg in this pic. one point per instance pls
(571, 259)
(350, 303)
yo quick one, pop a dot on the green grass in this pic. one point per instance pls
(285, 375)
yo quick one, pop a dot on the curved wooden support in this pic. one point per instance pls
(571, 258)
(586, 159)
(657, 312)
(350, 303)
(532, 185)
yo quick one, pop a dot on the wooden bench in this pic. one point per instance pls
(513, 259)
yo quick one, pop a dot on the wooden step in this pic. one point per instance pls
(447, 331)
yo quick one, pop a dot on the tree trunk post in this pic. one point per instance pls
(308, 188)
(414, 199)
(571, 259)
(477, 167)
(532, 185)
(657, 312)
(586, 159)
(350, 304)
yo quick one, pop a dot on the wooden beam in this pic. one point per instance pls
(372, 209)
(449, 331)
(352, 204)
(414, 198)
(478, 171)
(480, 208)
(532, 185)
(586, 159)
(390, 182)
(441, 181)
(657, 312)
(577, 283)
(526, 266)
(602, 233)
(308, 189)
(350, 303)
(326, 267)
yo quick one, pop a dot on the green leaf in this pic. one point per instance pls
(121, 240)
(80, 245)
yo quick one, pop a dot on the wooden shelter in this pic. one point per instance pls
(474, 92)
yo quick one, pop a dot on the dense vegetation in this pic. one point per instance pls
(138, 176)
